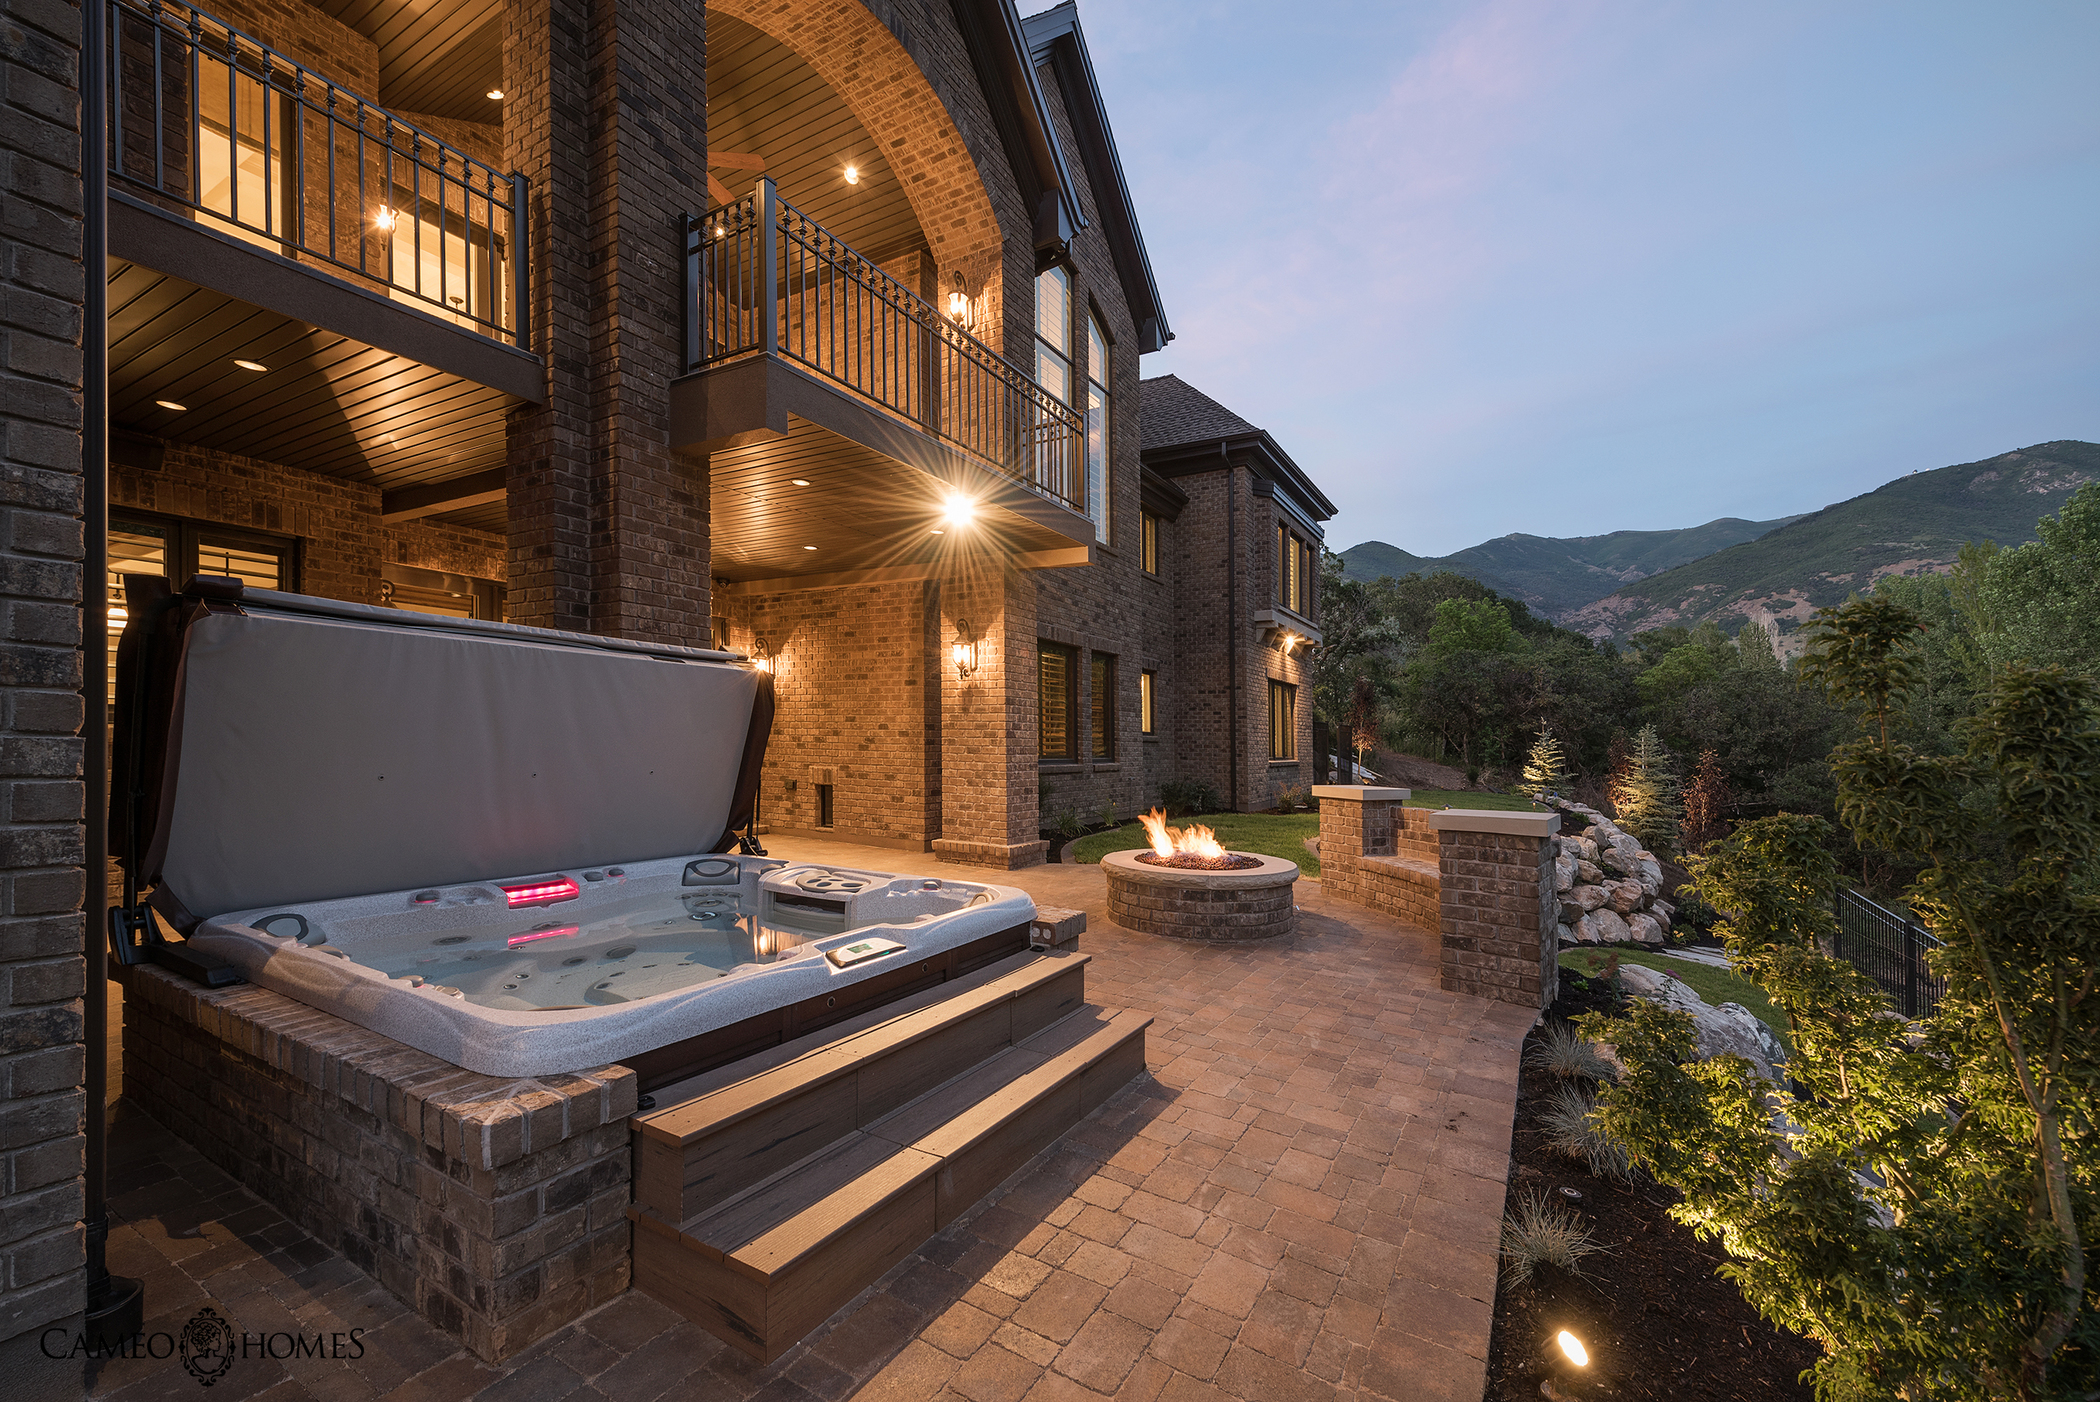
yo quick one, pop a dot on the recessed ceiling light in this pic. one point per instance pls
(800, 481)
(495, 94)
(853, 175)
(250, 365)
(938, 531)
(809, 547)
(171, 404)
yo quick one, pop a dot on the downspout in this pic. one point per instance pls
(1232, 626)
(115, 1304)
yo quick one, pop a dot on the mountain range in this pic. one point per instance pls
(1775, 572)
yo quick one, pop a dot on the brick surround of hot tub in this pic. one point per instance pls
(1194, 904)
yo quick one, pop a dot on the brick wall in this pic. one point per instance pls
(495, 1208)
(851, 686)
(1381, 855)
(335, 522)
(1500, 930)
(434, 545)
(41, 838)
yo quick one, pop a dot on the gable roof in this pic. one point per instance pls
(1055, 38)
(1181, 427)
(999, 50)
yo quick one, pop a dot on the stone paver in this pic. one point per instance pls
(1300, 1201)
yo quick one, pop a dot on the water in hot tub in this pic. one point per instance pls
(653, 945)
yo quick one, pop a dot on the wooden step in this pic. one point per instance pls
(765, 1266)
(747, 1122)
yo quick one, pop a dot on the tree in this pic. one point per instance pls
(1545, 768)
(1363, 720)
(1357, 634)
(1706, 801)
(1753, 646)
(1645, 798)
(2042, 600)
(1923, 1208)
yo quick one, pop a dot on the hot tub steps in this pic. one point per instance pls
(765, 1264)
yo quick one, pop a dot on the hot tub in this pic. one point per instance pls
(325, 797)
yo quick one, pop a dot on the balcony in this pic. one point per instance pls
(805, 357)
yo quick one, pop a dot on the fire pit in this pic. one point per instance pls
(1189, 887)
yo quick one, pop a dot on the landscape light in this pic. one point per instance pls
(1572, 1346)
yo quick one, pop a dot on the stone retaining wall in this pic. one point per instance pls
(494, 1208)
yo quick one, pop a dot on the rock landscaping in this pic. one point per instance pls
(1610, 887)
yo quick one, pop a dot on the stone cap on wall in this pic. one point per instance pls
(1361, 793)
(488, 1121)
(1490, 820)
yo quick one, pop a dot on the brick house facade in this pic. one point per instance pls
(290, 401)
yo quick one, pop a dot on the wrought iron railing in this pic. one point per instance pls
(763, 278)
(208, 120)
(1890, 949)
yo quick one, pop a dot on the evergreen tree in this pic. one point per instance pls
(1753, 646)
(1645, 798)
(1545, 768)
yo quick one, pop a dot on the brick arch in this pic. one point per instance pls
(882, 85)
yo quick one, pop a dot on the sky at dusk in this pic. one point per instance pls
(1566, 268)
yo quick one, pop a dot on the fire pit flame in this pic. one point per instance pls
(1195, 840)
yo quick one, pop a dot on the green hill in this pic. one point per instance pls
(1911, 525)
(1555, 576)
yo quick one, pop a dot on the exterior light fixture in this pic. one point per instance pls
(251, 365)
(761, 653)
(798, 481)
(959, 307)
(1572, 1346)
(959, 509)
(809, 547)
(495, 94)
(171, 404)
(853, 175)
(937, 531)
(384, 220)
(965, 651)
(720, 232)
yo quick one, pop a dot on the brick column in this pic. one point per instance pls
(988, 722)
(607, 114)
(41, 837)
(1500, 930)
(1356, 821)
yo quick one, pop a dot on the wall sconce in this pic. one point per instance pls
(384, 220)
(959, 305)
(761, 653)
(965, 649)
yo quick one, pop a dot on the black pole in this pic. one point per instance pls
(115, 1304)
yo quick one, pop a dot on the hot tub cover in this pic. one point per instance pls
(275, 748)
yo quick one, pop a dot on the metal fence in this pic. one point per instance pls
(1890, 949)
(763, 278)
(261, 148)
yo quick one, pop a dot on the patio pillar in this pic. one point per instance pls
(1501, 934)
(1378, 852)
(988, 742)
(605, 111)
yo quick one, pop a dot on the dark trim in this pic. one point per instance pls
(430, 498)
(991, 30)
(1258, 451)
(1055, 37)
(1160, 496)
(182, 248)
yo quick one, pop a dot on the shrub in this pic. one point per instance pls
(1065, 823)
(1541, 1233)
(1564, 1052)
(1569, 1123)
(1181, 797)
(1292, 798)
(1107, 816)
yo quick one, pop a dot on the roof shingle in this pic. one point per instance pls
(1174, 412)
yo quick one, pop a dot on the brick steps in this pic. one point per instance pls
(790, 1183)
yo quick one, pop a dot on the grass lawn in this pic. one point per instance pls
(1716, 986)
(1468, 798)
(1271, 834)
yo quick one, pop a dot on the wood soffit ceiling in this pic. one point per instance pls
(861, 510)
(440, 58)
(324, 403)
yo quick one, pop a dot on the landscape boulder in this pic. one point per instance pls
(1626, 896)
(1586, 898)
(1729, 1029)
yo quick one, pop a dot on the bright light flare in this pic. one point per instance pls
(853, 175)
(1572, 1346)
(384, 220)
(958, 510)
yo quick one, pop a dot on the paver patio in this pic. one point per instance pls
(1300, 1201)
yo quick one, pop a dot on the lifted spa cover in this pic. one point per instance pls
(274, 748)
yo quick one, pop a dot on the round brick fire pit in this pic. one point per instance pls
(1253, 903)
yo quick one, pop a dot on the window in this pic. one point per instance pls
(1148, 542)
(1056, 670)
(1294, 563)
(176, 550)
(1283, 720)
(1102, 706)
(1053, 333)
(1147, 682)
(824, 806)
(1097, 427)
